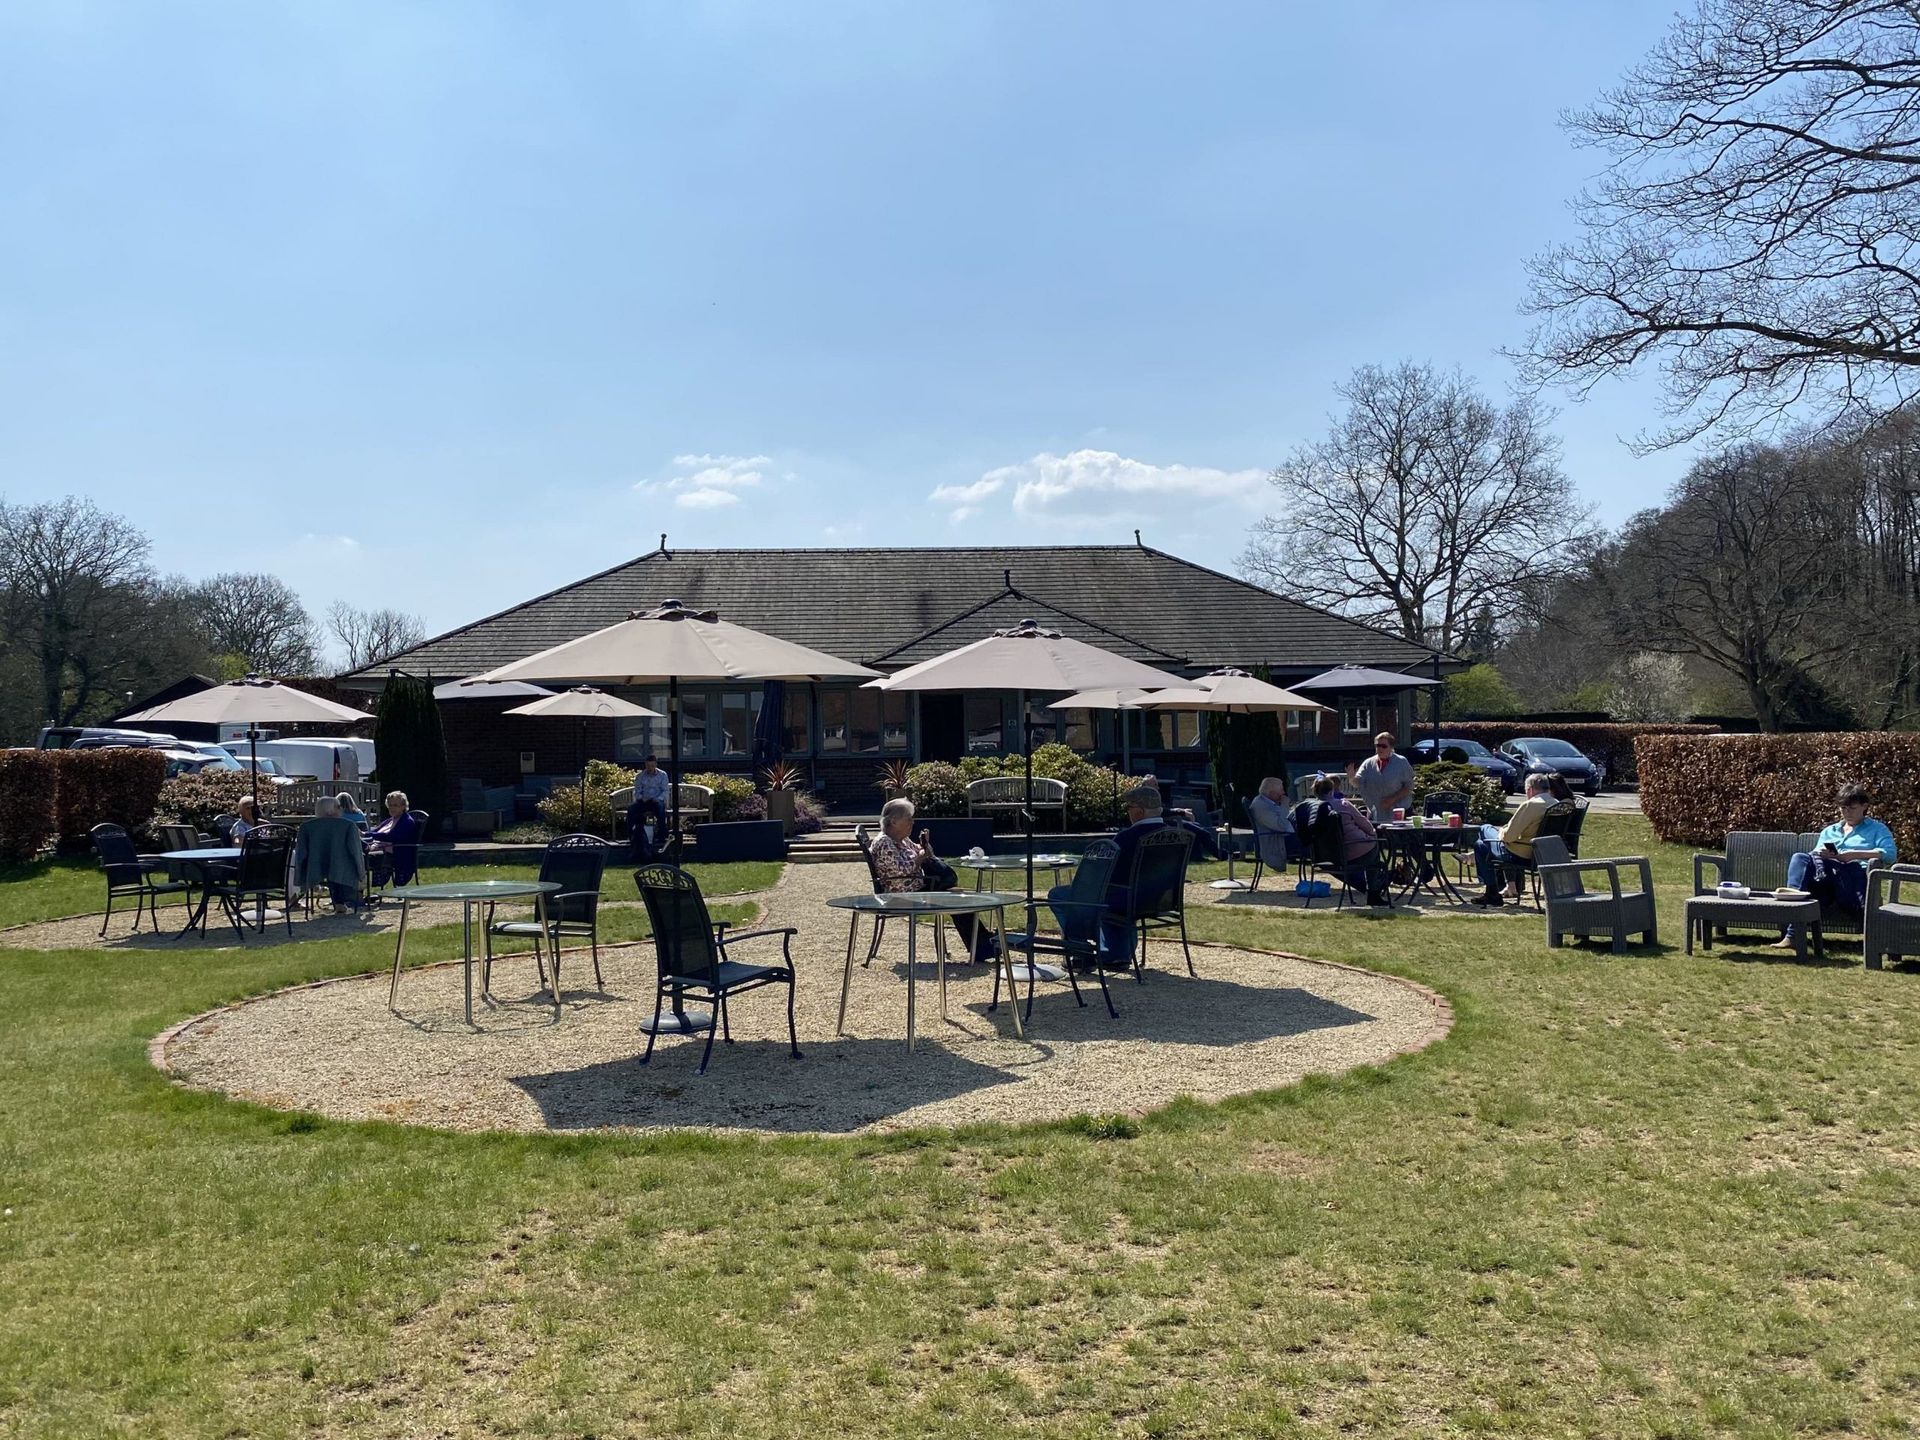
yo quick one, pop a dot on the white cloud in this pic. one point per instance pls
(965, 499)
(707, 482)
(1100, 487)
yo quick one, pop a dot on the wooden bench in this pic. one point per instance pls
(1006, 794)
(696, 805)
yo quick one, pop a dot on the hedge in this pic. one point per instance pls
(1612, 745)
(105, 787)
(1695, 788)
(27, 782)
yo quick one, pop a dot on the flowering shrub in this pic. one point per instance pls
(730, 792)
(560, 807)
(941, 789)
(195, 799)
(937, 788)
(27, 782)
(1486, 801)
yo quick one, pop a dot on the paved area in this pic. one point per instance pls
(1250, 1021)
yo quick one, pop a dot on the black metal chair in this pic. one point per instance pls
(1325, 849)
(576, 864)
(395, 865)
(1289, 840)
(1454, 802)
(1156, 890)
(1078, 943)
(1572, 832)
(176, 837)
(863, 837)
(692, 953)
(128, 874)
(1527, 867)
(261, 874)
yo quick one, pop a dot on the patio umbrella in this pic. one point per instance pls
(671, 643)
(1230, 692)
(1115, 699)
(585, 703)
(665, 645)
(253, 701)
(1023, 659)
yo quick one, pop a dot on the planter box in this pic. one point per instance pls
(739, 840)
(780, 807)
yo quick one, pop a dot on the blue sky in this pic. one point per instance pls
(441, 305)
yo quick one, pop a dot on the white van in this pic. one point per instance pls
(362, 749)
(324, 760)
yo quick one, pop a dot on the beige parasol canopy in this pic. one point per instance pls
(1229, 692)
(1027, 658)
(583, 702)
(252, 701)
(676, 642)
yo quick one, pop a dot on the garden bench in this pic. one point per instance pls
(1758, 859)
(1008, 794)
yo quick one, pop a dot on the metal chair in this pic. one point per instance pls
(1553, 826)
(222, 829)
(1290, 841)
(395, 865)
(1156, 890)
(128, 874)
(176, 837)
(576, 864)
(863, 837)
(1572, 834)
(261, 874)
(1078, 943)
(692, 951)
(1572, 909)
(1325, 850)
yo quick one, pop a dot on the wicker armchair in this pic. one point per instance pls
(1574, 910)
(1892, 924)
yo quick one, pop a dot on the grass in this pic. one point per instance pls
(1640, 1195)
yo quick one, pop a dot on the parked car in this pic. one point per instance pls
(218, 756)
(1477, 755)
(92, 737)
(362, 749)
(1540, 755)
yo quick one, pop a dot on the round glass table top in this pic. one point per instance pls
(1012, 862)
(478, 890)
(920, 902)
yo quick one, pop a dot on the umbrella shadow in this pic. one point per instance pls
(1180, 1009)
(838, 1086)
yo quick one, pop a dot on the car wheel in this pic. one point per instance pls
(1593, 787)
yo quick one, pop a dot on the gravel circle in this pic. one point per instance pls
(1252, 1020)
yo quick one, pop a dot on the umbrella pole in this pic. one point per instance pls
(1026, 803)
(253, 754)
(673, 779)
(583, 775)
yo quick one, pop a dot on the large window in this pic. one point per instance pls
(1080, 731)
(985, 718)
(796, 729)
(834, 719)
(1164, 729)
(1356, 716)
(879, 722)
(739, 714)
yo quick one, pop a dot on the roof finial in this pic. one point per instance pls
(1006, 577)
(663, 542)
(1138, 541)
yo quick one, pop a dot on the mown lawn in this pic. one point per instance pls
(1642, 1195)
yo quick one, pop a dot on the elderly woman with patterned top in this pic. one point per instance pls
(902, 862)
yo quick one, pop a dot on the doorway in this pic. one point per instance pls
(943, 727)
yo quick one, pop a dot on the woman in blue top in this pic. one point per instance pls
(1835, 871)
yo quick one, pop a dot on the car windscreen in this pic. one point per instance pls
(1559, 749)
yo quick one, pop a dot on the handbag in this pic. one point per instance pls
(936, 874)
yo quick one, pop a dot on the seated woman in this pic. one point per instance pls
(249, 820)
(901, 863)
(1834, 872)
(397, 838)
(329, 853)
(350, 809)
(1359, 841)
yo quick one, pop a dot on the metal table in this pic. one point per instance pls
(470, 893)
(985, 865)
(1708, 913)
(196, 861)
(1425, 847)
(916, 905)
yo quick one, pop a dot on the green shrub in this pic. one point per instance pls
(106, 787)
(27, 784)
(937, 788)
(1486, 801)
(560, 810)
(1695, 788)
(195, 799)
(411, 744)
(730, 792)
(941, 789)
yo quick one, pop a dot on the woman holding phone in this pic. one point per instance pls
(1834, 872)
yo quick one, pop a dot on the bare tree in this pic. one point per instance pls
(74, 583)
(369, 635)
(1754, 234)
(1746, 569)
(1426, 508)
(259, 619)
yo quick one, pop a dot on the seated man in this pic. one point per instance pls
(1272, 825)
(1835, 872)
(1498, 846)
(647, 815)
(1144, 812)
(1360, 842)
(328, 852)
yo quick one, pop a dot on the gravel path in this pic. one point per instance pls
(1251, 1021)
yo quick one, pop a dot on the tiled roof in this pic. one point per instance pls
(891, 607)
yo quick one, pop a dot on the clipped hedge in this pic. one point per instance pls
(28, 779)
(1611, 744)
(1695, 788)
(105, 787)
